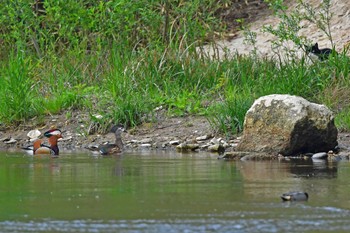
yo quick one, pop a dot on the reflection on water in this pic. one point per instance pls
(169, 192)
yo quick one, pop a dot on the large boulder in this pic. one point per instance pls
(288, 125)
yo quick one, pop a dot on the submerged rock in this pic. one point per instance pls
(288, 125)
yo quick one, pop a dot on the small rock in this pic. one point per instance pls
(33, 134)
(144, 145)
(174, 142)
(65, 138)
(158, 108)
(202, 138)
(320, 155)
(10, 141)
(215, 140)
(235, 141)
(97, 116)
(217, 148)
(146, 141)
(225, 144)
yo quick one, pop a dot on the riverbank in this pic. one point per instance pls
(163, 133)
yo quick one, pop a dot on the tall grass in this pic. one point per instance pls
(18, 99)
(141, 57)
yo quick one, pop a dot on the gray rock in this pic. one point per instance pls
(203, 138)
(288, 125)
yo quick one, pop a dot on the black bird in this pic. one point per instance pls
(295, 196)
(322, 54)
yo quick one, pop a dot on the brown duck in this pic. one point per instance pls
(111, 148)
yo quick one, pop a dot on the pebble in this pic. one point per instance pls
(202, 138)
(174, 142)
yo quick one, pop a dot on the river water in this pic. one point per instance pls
(170, 192)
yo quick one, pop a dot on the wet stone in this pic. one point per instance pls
(174, 142)
(321, 155)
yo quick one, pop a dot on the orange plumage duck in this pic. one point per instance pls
(40, 149)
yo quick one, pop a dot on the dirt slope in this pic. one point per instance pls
(340, 29)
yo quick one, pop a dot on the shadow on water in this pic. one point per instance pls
(158, 192)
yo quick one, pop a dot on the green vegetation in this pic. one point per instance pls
(123, 59)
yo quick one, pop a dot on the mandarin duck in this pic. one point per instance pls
(111, 148)
(295, 196)
(39, 148)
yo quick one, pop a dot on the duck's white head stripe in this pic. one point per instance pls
(56, 132)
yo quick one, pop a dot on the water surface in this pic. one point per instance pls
(170, 192)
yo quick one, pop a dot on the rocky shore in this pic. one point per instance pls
(178, 134)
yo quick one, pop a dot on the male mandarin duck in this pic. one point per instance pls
(53, 135)
(111, 148)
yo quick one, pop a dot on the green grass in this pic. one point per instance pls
(125, 73)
